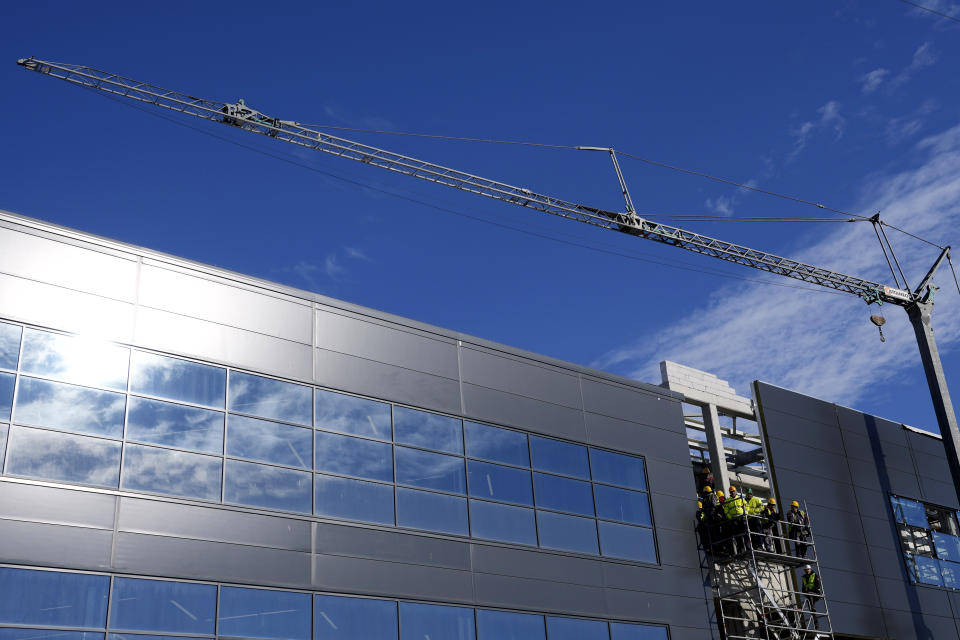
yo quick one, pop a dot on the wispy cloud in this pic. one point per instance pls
(356, 254)
(871, 81)
(923, 57)
(722, 205)
(819, 343)
(333, 266)
(901, 128)
(829, 118)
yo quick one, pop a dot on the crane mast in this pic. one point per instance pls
(917, 303)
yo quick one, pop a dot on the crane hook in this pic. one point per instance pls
(879, 321)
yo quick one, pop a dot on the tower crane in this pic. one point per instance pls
(918, 303)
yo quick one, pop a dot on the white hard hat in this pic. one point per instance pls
(807, 567)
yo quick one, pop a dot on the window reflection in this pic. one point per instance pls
(575, 629)
(158, 605)
(261, 613)
(559, 457)
(567, 532)
(65, 406)
(947, 546)
(175, 425)
(624, 541)
(52, 598)
(502, 522)
(7, 381)
(503, 625)
(419, 621)
(505, 484)
(354, 456)
(9, 345)
(496, 444)
(340, 618)
(427, 430)
(176, 379)
(74, 359)
(348, 414)
(622, 504)
(60, 456)
(48, 634)
(563, 494)
(259, 485)
(950, 571)
(268, 398)
(617, 468)
(624, 631)
(430, 470)
(3, 443)
(354, 499)
(269, 441)
(910, 512)
(431, 511)
(175, 472)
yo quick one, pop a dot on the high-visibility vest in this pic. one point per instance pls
(734, 507)
(755, 506)
(810, 583)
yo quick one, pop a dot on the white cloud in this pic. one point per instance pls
(923, 57)
(829, 118)
(872, 80)
(818, 343)
(722, 205)
(356, 254)
(332, 266)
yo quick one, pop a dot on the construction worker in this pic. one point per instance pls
(770, 524)
(718, 523)
(754, 504)
(798, 529)
(812, 591)
(735, 510)
(754, 507)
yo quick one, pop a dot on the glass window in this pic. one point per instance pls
(269, 441)
(268, 398)
(910, 512)
(176, 379)
(625, 541)
(438, 622)
(563, 494)
(52, 598)
(950, 571)
(3, 443)
(499, 483)
(260, 613)
(9, 345)
(349, 414)
(39, 634)
(575, 629)
(622, 504)
(431, 511)
(74, 359)
(354, 499)
(567, 532)
(430, 470)
(427, 430)
(7, 381)
(618, 469)
(948, 547)
(339, 618)
(354, 457)
(502, 522)
(175, 472)
(504, 625)
(159, 605)
(498, 445)
(559, 457)
(175, 425)
(928, 570)
(68, 407)
(138, 636)
(624, 631)
(942, 520)
(60, 456)
(259, 485)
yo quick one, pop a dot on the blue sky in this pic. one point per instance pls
(853, 104)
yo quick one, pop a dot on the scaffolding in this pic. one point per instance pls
(756, 570)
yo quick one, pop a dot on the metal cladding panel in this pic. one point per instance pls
(887, 561)
(206, 340)
(55, 262)
(858, 619)
(483, 404)
(797, 404)
(870, 475)
(391, 546)
(823, 464)
(793, 428)
(868, 426)
(673, 479)
(681, 582)
(386, 381)
(53, 545)
(932, 466)
(516, 376)
(536, 564)
(929, 444)
(903, 626)
(883, 533)
(652, 442)
(617, 401)
(844, 555)
(941, 493)
(873, 504)
(838, 524)
(53, 306)
(392, 579)
(883, 453)
(895, 594)
(395, 345)
(678, 548)
(539, 595)
(224, 302)
(673, 512)
(56, 506)
(657, 607)
(212, 523)
(846, 586)
(204, 560)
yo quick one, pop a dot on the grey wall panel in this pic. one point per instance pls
(675, 581)
(57, 506)
(796, 404)
(224, 302)
(672, 479)
(678, 548)
(212, 523)
(483, 404)
(883, 453)
(866, 426)
(366, 377)
(511, 374)
(673, 512)
(857, 619)
(873, 504)
(656, 607)
(815, 490)
(617, 401)
(396, 345)
(52, 545)
(905, 626)
(835, 523)
(932, 466)
(940, 493)
(895, 594)
(792, 428)
(390, 545)
(882, 534)
(539, 595)
(46, 260)
(930, 444)
(845, 586)
(844, 555)
(872, 476)
(203, 560)
(654, 442)
(824, 464)
(693, 633)
(166, 331)
(372, 577)
(887, 561)
(536, 564)
(47, 305)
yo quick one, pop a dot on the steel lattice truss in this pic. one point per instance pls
(241, 116)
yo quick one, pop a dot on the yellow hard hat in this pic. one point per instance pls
(732, 488)
(699, 504)
(794, 504)
(771, 501)
(719, 494)
(707, 489)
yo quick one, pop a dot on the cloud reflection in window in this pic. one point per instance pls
(75, 359)
(69, 407)
(60, 456)
(174, 472)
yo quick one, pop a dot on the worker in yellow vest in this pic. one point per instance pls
(735, 510)
(812, 591)
(754, 520)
